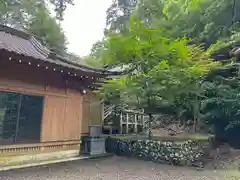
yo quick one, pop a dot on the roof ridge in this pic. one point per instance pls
(54, 55)
(39, 46)
(14, 31)
(22, 33)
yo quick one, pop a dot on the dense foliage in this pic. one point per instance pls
(205, 21)
(221, 107)
(60, 6)
(46, 27)
(34, 16)
(162, 69)
(165, 47)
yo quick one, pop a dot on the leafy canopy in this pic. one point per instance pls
(204, 21)
(161, 67)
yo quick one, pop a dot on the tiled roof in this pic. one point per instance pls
(28, 45)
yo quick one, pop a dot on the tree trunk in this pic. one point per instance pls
(150, 126)
(195, 116)
(195, 123)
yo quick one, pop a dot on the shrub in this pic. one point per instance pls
(187, 153)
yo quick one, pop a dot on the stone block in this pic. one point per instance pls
(95, 145)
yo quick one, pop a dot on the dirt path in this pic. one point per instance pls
(112, 168)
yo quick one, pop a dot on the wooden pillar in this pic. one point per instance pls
(143, 122)
(135, 123)
(102, 111)
(111, 130)
(121, 122)
(127, 123)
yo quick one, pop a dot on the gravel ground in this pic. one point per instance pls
(111, 168)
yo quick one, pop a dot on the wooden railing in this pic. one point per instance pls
(108, 110)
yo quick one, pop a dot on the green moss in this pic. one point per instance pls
(231, 174)
(193, 137)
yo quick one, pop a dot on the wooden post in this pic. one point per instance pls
(143, 121)
(102, 113)
(111, 130)
(18, 117)
(121, 122)
(150, 126)
(135, 123)
(127, 123)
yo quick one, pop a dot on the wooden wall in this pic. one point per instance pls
(85, 114)
(96, 110)
(62, 114)
(62, 118)
(92, 112)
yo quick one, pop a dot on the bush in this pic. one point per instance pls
(187, 153)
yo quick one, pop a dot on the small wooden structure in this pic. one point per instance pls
(125, 121)
(44, 99)
(132, 122)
